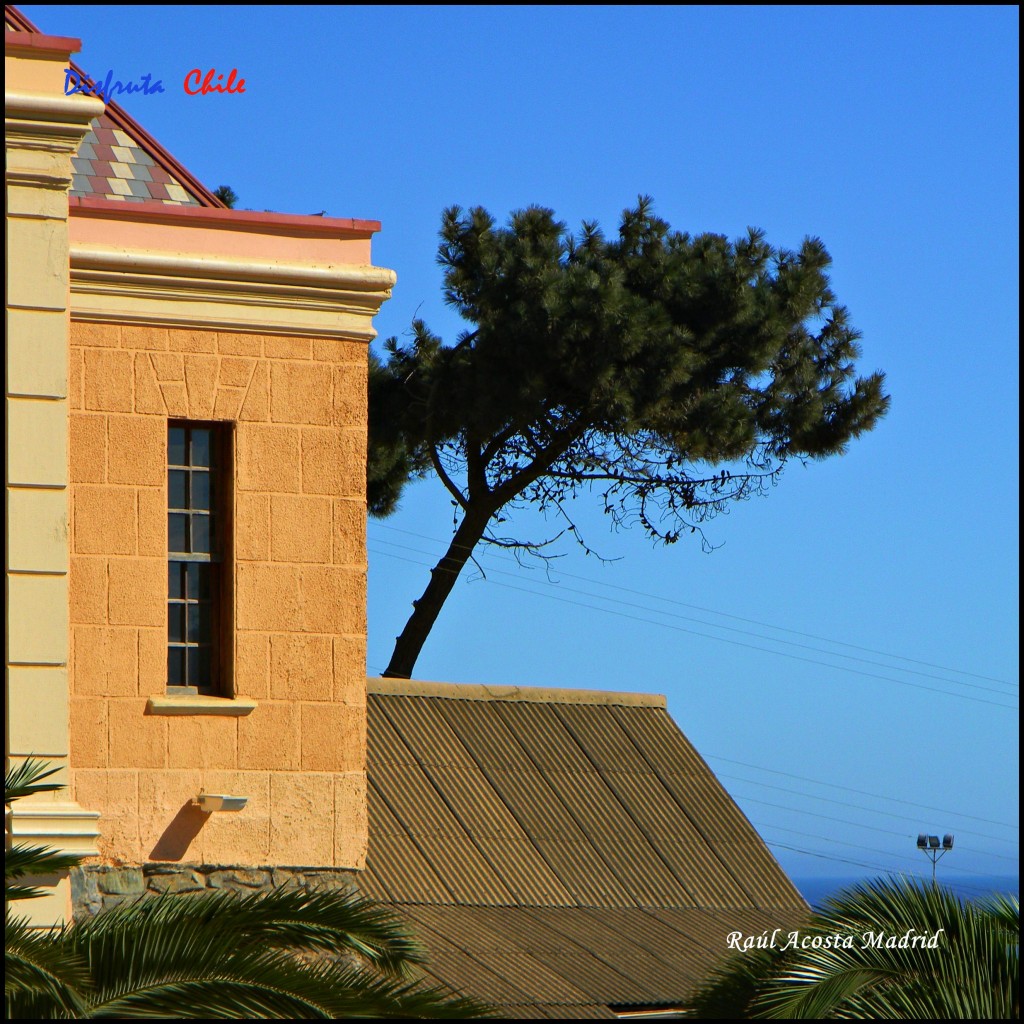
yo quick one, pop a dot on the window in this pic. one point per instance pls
(198, 559)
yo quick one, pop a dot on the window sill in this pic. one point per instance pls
(196, 705)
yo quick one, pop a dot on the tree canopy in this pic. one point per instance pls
(670, 374)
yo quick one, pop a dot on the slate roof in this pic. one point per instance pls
(118, 159)
(562, 853)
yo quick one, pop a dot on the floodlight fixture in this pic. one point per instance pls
(934, 848)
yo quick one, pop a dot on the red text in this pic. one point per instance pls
(196, 84)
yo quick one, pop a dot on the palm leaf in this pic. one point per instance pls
(40, 973)
(23, 780)
(257, 956)
(973, 974)
(288, 954)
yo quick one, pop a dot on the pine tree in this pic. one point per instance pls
(670, 374)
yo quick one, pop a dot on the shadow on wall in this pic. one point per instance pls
(178, 836)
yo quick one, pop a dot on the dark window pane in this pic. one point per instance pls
(201, 490)
(198, 582)
(177, 488)
(176, 623)
(176, 446)
(201, 534)
(199, 666)
(200, 624)
(177, 532)
(192, 586)
(200, 447)
(175, 666)
(175, 579)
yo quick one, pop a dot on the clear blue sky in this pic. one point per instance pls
(891, 133)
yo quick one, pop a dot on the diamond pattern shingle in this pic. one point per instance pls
(119, 160)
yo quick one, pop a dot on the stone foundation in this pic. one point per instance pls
(97, 888)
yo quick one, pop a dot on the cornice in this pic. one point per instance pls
(65, 827)
(35, 110)
(163, 289)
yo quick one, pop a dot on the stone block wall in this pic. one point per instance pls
(97, 888)
(298, 409)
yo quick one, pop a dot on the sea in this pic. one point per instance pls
(816, 889)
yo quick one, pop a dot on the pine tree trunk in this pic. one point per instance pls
(442, 579)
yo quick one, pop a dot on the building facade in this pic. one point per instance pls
(186, 573)
(186, 617)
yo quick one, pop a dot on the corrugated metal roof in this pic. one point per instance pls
(560, 857)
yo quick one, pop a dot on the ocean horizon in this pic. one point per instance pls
(816, 889)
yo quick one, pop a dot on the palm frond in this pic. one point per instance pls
(727, 993)
(278, 985)
(24, 779)
(972, 973)
(288, 953)
(40, 972)
(210, 925)
(22, 859)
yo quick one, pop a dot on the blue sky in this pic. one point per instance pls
(891, 133)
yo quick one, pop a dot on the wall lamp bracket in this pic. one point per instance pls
(211, 802)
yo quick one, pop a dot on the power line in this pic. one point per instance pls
(731, 629)
(740, 618)
(870, 810)
(725, 640)
(825, 817)
(855, 824)
(823, 839)
(861, 792)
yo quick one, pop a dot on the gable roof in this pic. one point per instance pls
(561, 852)
(118, 159)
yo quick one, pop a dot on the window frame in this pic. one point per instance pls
(221, 556)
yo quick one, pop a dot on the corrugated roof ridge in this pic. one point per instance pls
(630, 811)
(614, 870)
(513, 811)
(609, 959)
(453, 811)
(427, 922)
(657, 770)
(532, 694)
(657, 773)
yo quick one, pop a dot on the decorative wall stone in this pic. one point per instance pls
(95, 888)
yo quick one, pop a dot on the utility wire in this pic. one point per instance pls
(870, 810)
(863, 864)
(740, 618)
(815, 814)
(822, 839)
(725, 640)
(853, 824)
(731, 629)
(798, 793)
(861, 792)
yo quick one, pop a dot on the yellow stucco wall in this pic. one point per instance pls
(299, 583)
(43, 129)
